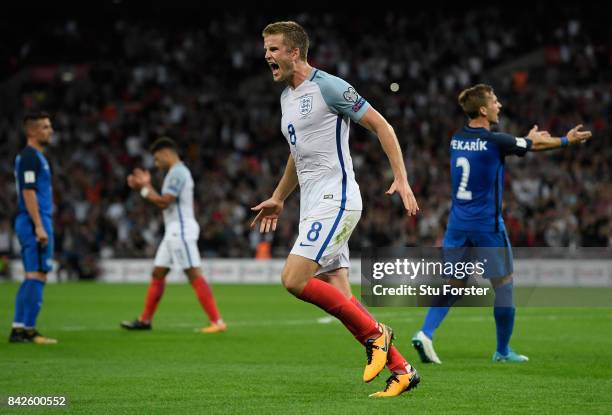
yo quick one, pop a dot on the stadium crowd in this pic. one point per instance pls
(206, 85)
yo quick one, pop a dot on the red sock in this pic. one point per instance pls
(154, 294)
(330, 299)
(205, 296)
(395, 361)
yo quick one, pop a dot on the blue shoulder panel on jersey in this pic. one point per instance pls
(174, 182)
(340, 96)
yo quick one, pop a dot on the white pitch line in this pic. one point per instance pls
(398, 317)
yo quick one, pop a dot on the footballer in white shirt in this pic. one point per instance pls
(179, 247)
(317, 111)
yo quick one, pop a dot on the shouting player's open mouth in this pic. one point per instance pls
(275, 69)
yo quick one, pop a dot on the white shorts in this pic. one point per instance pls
(178, 253)
(324, 236)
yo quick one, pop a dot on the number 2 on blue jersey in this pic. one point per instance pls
(292, 136)
(462, 192)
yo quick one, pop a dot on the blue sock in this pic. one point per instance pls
(33, 302)
(504, 317)
(433, 319)
(20, 303)
(436, 314)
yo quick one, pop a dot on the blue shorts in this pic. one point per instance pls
(491, 247)
(35, 257)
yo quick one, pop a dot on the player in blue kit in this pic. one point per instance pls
(475, 220)
(34, 227)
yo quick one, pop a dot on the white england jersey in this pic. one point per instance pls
(315, 121)
(179, 219)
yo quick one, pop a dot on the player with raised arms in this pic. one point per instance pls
(477, 175)
(317, 110)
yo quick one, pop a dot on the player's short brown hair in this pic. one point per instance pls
(294, 35)
(473, 98)
(163, 143)
(31, 117)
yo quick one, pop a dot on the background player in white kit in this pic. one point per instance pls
(179, 247)
(317, 109)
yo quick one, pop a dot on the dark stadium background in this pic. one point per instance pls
(119, 74)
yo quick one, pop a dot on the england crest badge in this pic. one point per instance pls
(305, 105)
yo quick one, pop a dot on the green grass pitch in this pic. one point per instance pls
(277, 357)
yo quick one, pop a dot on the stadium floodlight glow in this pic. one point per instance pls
(67, 76)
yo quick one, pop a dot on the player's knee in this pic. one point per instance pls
(287, 280)
(292, 283)
(158, 274)
(498, 282)
(40, 276)
(192, 273)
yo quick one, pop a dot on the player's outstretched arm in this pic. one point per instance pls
(373, 121)
(141, 180)
(269, 210)
(543, 141)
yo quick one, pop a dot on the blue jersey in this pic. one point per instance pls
(477, 176)
(32, 171)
